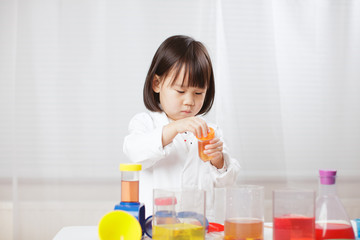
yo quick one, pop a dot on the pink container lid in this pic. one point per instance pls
(165, 201)
(327, 177)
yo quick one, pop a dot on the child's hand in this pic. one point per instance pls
(195, 125)
(214, 149)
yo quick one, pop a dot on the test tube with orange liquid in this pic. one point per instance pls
(202, 142)
(130, 182)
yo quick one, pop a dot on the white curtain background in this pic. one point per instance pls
(71, 77)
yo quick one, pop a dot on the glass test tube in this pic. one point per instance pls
(130, 182)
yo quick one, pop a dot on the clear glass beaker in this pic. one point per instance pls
(179, 214)
(293, 214)
(244, 218)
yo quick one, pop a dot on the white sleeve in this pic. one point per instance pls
(228, 174)
(144, 143)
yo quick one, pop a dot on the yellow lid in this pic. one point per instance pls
(210, 135)
(130, 167)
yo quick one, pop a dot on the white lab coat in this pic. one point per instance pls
(176, 165)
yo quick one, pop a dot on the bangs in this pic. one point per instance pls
(177, 55)
(196, 66)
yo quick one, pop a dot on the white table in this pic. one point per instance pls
(91, 233)
(77, 232)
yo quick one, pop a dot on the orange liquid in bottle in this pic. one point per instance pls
(202, 142)
(201, 147)
(130, 191)
(243, 228)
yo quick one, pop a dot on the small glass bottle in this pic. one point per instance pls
(130, 182)
(332, 221)
(202, 142)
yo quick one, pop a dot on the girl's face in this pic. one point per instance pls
(178, 101)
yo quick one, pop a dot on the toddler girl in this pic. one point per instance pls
(179, 87)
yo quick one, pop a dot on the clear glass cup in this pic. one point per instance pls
(293, 214)
(244, 217)
(179, 214)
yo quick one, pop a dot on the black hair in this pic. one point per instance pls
(175, 53)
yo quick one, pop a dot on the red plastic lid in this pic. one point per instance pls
(164, 201)
(215, 227)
